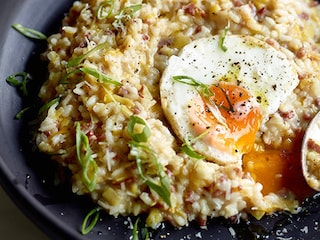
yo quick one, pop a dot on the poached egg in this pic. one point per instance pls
(216, 98)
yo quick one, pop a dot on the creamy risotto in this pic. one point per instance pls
(183, 109)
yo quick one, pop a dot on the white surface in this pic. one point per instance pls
(13, 224)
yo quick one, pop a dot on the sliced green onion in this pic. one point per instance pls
(125, 15)
(88, 164)
(76, 61)
(20, 80)
(99, 75)
(135, 231)
(129, 11)
(187, 149)
(46, 106)
(72, 74)
(223, 38)
(203, 89)
(28, 32)
(141, 136)
(105, 9)
(142, 154)
(20, 114)
(90, 221)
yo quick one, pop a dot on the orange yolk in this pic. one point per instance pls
(239, 118)
(279, 171)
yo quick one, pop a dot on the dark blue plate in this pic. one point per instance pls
(28, 177)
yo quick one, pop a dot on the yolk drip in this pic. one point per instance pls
(233, 126)
(278, 170)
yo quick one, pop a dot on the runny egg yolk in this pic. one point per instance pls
(229, 118)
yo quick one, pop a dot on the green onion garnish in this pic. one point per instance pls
(141, 136)
(20, 114)
(20, 80)
(144, 154)
(90, 221)
(72, 74)
(135, 231)
(105, 9)
(99, 75)
(28, 32)
(125, 15)
(223, 38)
(46, 106)
(76, 61)
(88, 164)
(203, 89)
(187, 149)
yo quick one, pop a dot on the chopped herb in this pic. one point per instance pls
(99, 75)
(71, 74)
(20, 114)
(88, 164)
(28, 32)
(20, 80)
(143, 135)
(135, 231)
(46, 106)
(76, 61)
(125, 15)
(142, 154)
(203, 89)
(90, 221)
(187, 149)
(223, 38)
(105, 9)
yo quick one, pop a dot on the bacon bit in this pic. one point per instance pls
(313, 146)
(136, 110)
(219, 193)
(317, 101)
(191, 197)
(304, 16)
(301, 52)
(140, 92)
(238, 3)
(314, 4)
(302, 76)
(193, 10)
(123, 92)
(165, 42)
(198, 29)
(273, 43)
(287, 115)
(202, 222)
(145, 37)
(307, 116)
(262, 12)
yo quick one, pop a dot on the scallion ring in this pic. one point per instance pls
(20, 80)
(87, 163)
(143, 134)
(105, 9)
(28, 32)
(90, 221)
(99, 75)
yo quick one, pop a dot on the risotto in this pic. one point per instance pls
(120, 114)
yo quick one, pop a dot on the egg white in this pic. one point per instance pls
(262, 70)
